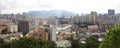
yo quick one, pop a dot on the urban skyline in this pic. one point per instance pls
(59, 24)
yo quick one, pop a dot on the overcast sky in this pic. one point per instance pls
(78, 6)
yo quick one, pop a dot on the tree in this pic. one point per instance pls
(28, 43)
(51, 44)
(92, 42)
(75, 43)
(32, 43)
(23, 43)
(4, 44)
(1, 42)
(112, 39)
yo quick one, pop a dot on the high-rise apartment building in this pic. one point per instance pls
(13, 28)
(53, 21)
(111, 12)
(23, 26)
(53, 34)
(94, 17)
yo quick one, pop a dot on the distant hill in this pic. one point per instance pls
(50, 13)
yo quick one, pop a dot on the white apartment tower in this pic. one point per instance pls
(53, 21)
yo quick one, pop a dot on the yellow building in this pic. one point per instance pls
(38, 33)
(3, 28)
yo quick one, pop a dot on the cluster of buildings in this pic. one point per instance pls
(58, 29)
(96, 24)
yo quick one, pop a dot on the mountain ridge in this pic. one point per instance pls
(50, 13)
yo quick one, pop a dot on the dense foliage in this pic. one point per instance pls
(91, 42)
(112, 39)
(29, 43)
(75, 44)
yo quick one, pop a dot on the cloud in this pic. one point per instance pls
(12, 6)
(79, 6)
(5, 4)
(44, 3)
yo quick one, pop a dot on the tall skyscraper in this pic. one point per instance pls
(53, 34)
(53, 21)
(23, 26)
(94, 17)
(111, 12)
(36, 23)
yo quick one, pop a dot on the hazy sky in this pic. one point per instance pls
(78, 6)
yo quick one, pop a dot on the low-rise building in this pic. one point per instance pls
(38, 33)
